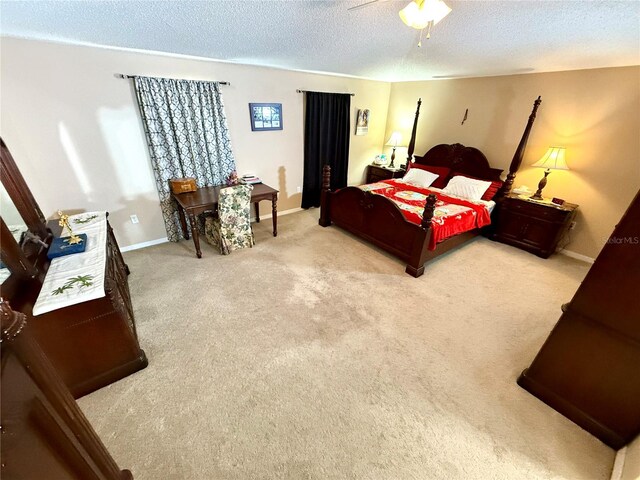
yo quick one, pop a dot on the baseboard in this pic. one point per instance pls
(577, 256)
(618, 464)
(150, 243)
(158, 241)
(280, 214)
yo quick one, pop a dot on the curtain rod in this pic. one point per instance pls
(305, 91)
(121, 75)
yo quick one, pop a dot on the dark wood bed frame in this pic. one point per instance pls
(379, 220)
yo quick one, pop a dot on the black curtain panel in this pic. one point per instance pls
(326, 141)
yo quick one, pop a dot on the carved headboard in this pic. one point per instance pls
(469, 160)
(466, 160)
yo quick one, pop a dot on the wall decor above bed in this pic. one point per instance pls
(418, 224)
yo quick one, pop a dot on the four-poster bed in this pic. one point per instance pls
(379, 220)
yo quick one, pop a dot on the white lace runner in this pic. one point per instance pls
(78, 277)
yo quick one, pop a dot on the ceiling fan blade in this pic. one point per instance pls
(362, 5)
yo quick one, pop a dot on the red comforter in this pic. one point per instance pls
(452, 215)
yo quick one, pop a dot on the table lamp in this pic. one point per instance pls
(552, 160)
(394, 141)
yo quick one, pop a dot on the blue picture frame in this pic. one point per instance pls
(265, 116)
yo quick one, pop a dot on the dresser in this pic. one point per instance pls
(93, 343)
(80, 303)
(88, 345)
(45, 435)
(588, 369)
(536, 227)
(376, 173)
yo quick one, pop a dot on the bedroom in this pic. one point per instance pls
(62, 102)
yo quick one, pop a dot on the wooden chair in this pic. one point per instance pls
(231, 228)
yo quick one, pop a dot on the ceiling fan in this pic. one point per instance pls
(418, 14)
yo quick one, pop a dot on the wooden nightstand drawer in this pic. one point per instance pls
(535, 227)
(377, 174)
(535, 210)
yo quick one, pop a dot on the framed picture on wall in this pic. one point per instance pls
(362, 122)
(265, 116)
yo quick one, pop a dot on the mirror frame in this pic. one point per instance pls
(20, 193)
(27, 264)
(13, 256)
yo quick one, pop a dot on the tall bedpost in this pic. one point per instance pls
(519, 153)
(412, 142)
(325, 217)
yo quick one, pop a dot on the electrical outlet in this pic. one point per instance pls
(299, 189)
(572, 225)
(134, 219)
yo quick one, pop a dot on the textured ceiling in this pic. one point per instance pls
(477, 38)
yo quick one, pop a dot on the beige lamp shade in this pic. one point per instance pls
(419, 13)
(394, 140)
(553, 159)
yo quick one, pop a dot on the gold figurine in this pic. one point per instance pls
(64, 223)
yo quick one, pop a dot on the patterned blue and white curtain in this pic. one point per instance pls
(187, 134)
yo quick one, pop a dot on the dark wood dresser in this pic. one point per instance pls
(589, 367)
(532, 226)
(45, 435)
(376, 173)
(94, 343)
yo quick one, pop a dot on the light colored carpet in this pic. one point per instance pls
(314, 356)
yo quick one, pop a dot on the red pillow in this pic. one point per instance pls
(442, 172)
(491, 191)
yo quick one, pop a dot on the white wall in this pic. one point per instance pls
(75, 131)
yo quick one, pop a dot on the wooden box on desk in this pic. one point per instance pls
(183, 185)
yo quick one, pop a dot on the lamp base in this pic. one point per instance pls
(541, 185)
(393, 157)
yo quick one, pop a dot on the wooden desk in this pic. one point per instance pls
(204, 199)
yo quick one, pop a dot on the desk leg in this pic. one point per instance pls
(274, 213)
(183, 223)
(194, 232)
(257, 205)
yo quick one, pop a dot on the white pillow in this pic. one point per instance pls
(419, 177)
(466, 187)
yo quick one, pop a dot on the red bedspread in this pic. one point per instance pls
(452, 215)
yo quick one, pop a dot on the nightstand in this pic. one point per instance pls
(377, 173)
(532, 226)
